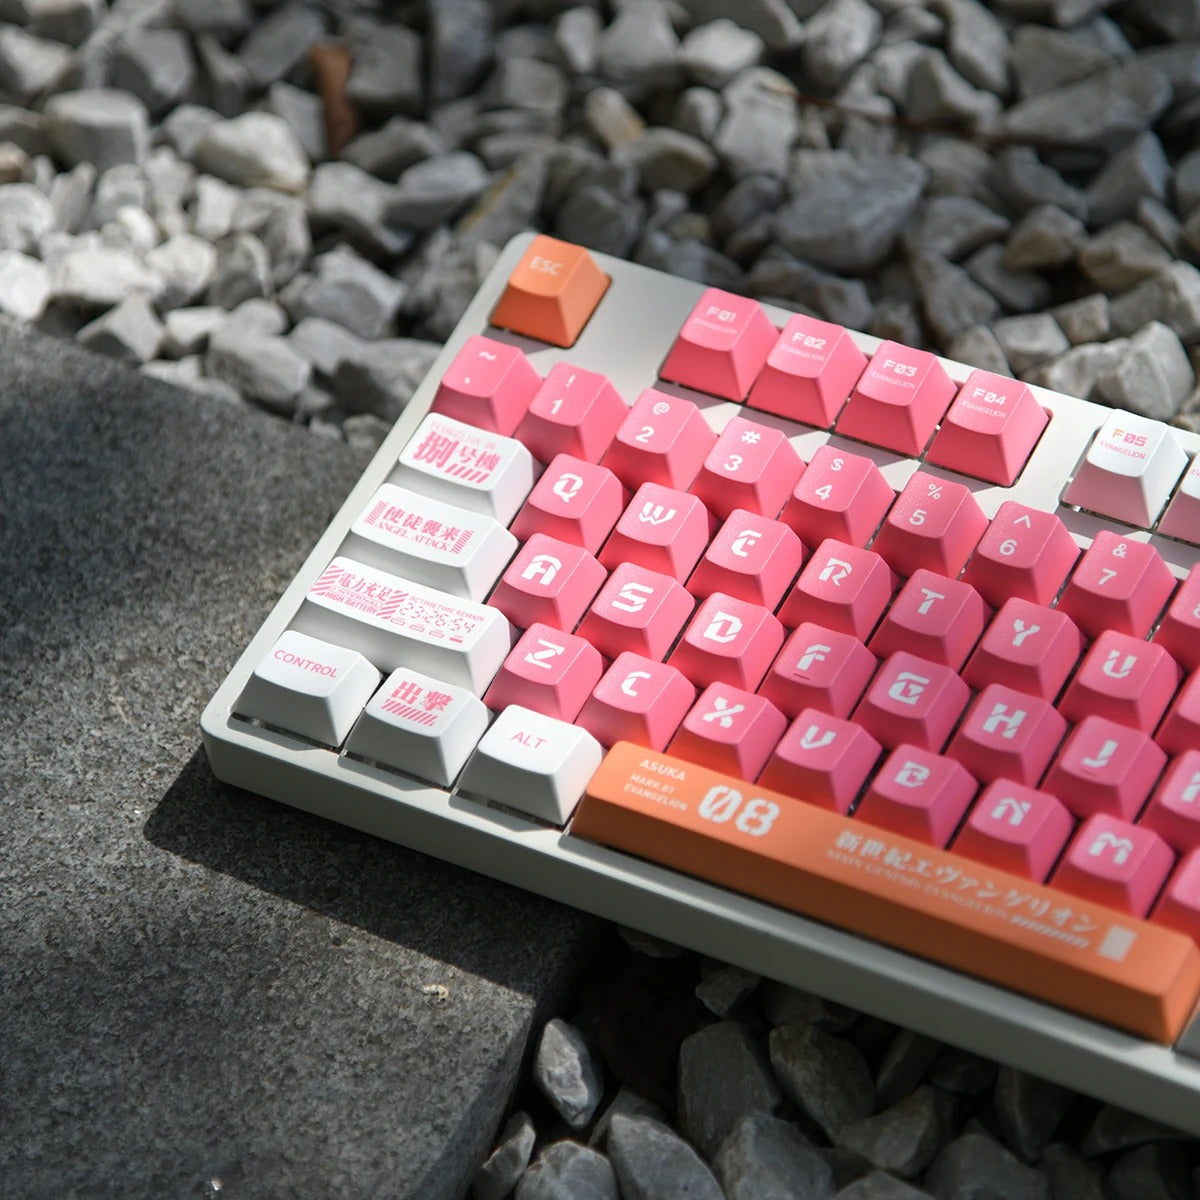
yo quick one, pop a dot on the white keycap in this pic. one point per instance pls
(310, 687)
(1182, 518)
(532, 763)
(1129, 470)
(396, 623)
(419, 725)
(470, 467)
(430, 542)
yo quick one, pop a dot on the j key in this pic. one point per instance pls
(489, 384)
(419, 725)
(818, 668)
(425, 540)
(532, 763)
(574, 501)
(1111, 862)
(938, 618)
(468, 467)
(1015, 828)
(1179, 632)
(729, 729)
(752, 467)
(1179, 905)
(899, 399)
(549, 582)
(1180, 728)
(549, 672)
(637, 700)
(809, 373)
(1104, 767)
(730, 641)
(395, 623)
(913, 700)
(722, 345)
(1026, 647)
(822, 760)
(934, 524)
(637, 610)
(990, 430)
(842, 587)
(1174, 809)
(1025, 552)
(1129, 469)
(918, 794)
(573, 412)
(840, 495)
(1122, 678)
(1123, 972)
(1008, 735)
(1119, 584)
(662, 529)
(1182, 518)
(662, 439)
(752, 557)
(310, 687)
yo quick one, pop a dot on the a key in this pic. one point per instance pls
(843, 588)
(1182, 518)
(662, 440)
(918, 794)
(912, 700)
(308, 686)
(1174, 809)
(752, 467)
(818, 668)
(1179, 905)
(574, 501)
(729, 729)
(574, 412)
(752, 557)
(1114, 863)
(841, 496)
(934, 524)
(1124, 679)
(1016, 829)
(1180, 728)
(730, 641)
(938, 618)
(637, 610)
(1007, 735)
(549, 672)
(1027, 647)
(637, 700)
(1179, 631)
(1119, 584)
(1025, 552)
(822, 760)
(661, 529)
(549, 582)
(419, 725)
(489, 385)
(431, 542)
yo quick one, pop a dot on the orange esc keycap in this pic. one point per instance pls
(551, 293)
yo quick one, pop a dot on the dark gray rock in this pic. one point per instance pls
(1030, 339)
(977, 45)
(443, 280)
(254, 150)
(639, 50)
(953, 226)
(879, 1185)
(1178, 19)
(1045, 236)
(567, 1073)
(525, 83)
(1153, 377)
(760, 125)
(568, 1171)
(394, 147)
(279, 42)
(260, 366)
(1019, 291)
(824, 1076)
(1172, 296)
(382, 376)
(595, 218)
(960, 168)
(1121, 256)
(509, 206)
(1075, 373)
(68, 21)
(1029, 1109)
(156, 65)
(666, 158)
(611, 118)
(956, 1071)
(839, 36)
(1116, 1128)
(226, 20)
(903, 1066)
(1071, 1176)
(1021, 178)
(324, 343)
(386, 76)
(499, 1174)
(784, 1005)
(459, 46)
(352, 291)
(651, 1161)
(243, 271)
(902, 1139)
(714, 53)
(1140, 169)
(344, 197)
(97, 125)
(936, 92)
(304, 114)
(436, 190)
(698, 112)
(1044, 59)
(724, 988)
(1085, 319)
(226, 81)
(974, 1167)
(764, 1158)
(950, 299)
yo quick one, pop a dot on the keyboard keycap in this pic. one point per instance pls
(1182, 518)
(574, 501)
(1174, 809)
(1180, 728)
(722, 345)
(310, 687)
(1104, 767)
(729, 729)
(637, 610)
(933, 524)
(818, 668)
(1129, 470)
(809, 373)
(395, 623)
(913, 700)
(637, 700)
(1017, 829)
(573, 412)
(471, 468)
(549, 672)
(1027, 647)
(551, 293)
(431, 542)
(899, 399)
(532, 763)
(1116, 864)
(662, 440)
(661, 529)
(1025, 552)
(730, 641)
(822, 760)
(489, 385)
(1119, 584)
(1179, 905)
(1008, 735)
(421, 726)
(751, 467)
(752, 558)
(1179, 632)
(841, 496)
(938, 618)
(918, 794)
(549, 582)
(1116, 970)
(843, 588)
(1124, 679)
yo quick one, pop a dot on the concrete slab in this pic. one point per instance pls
(203, 992)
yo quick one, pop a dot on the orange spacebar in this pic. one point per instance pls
(941, 906)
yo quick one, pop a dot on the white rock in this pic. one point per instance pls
(257, 149)
(98, 125)
(26, 216)
(186, 330)
(99, 277)
(24, 285)
(187, 265)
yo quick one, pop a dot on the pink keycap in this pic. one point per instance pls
(637, 610)
(489, 385)
(840, 495)
(1122, 678)
(1111, 862)
(1174, 809)
(548, 671)
(1008, 735)
(1025, 552)
(1015, 828)
(752, 557)
(637, 700)
(822, 760)
(729, 641)
(729, 730)
(722, 345)
(938, 618)
(990, 430)
(662, 529)
(819, 668)
(934, 523)
(549, 582)
(809, 373)
(752, 466)
(1180, 728)
(918, 794)
(662, 439)
(1027, 647)
(899, 399)
(1104, 767)
(574, 501)
(913, 700)
(843, 588)
(573, 412)
(1179, 633)
(1179, 905)
(1119, 584)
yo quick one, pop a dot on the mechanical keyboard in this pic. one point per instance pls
(863, 669)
